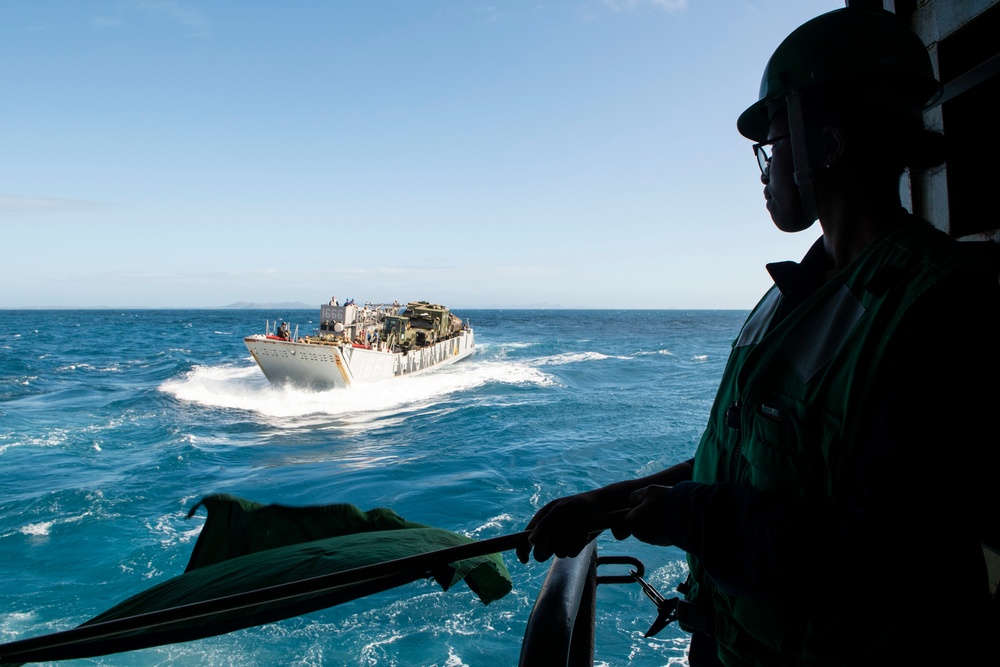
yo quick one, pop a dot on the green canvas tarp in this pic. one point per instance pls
(255, 564)
(237, 527)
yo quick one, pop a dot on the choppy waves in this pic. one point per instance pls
(104, 448)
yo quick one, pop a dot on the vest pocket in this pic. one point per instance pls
(787, 445)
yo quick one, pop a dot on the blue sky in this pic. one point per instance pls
(174, 154)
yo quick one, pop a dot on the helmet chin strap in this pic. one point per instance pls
(804, 175)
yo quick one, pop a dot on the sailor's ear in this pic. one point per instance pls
(834, 145)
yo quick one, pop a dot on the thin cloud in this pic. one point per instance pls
(105, 22)
(672, 6)
(185, 15)
(17, 204)
(169, 11)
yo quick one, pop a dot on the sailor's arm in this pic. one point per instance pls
(564, 526)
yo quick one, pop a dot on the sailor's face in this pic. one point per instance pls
(781, 195)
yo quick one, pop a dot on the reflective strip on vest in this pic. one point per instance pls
(823, 334)
(760, 320)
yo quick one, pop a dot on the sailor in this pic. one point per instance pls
(834, 511)
(283, 331)
(333, 301)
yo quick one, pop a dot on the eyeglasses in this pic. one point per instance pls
(760, 150)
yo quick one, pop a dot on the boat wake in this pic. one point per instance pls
(573, 357)
(245, 388)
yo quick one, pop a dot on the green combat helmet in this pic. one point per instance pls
(870, 49)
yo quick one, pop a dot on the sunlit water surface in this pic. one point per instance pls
(114, 423)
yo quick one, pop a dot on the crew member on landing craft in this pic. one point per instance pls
(851, 450)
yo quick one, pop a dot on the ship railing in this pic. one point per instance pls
(560, 629)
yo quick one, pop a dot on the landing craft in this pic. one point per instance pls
(362, 344)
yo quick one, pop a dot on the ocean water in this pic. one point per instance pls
(114, 423)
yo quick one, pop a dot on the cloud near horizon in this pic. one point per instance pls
(672, 6)
(20, 204)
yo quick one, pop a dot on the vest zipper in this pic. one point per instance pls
(733, 421)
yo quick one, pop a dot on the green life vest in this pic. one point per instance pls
(787, 418)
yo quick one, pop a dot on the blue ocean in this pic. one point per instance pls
(114, 423)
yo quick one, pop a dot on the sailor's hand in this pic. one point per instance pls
(646, 519)
(563, 528)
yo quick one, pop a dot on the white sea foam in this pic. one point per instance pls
(12, 624)
(53, 438)
(501, 521)
(646, 353)
(167, 530)
(245, 388)
(152, 572)
(507, 346)
(571, 358)
(453, 659)
(700, 357)
(41, 528)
